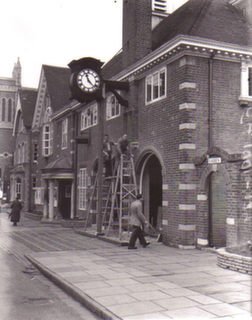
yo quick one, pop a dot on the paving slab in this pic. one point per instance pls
(155, 283)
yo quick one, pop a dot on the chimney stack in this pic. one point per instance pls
(136, 30)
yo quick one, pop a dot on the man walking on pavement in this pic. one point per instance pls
(137, 221)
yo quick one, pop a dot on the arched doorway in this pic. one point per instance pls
(217, 195)
(151, 187)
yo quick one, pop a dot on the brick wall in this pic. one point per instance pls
(177, 127)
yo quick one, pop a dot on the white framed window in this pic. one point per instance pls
(47, 140)
(18, 188)
(246, 80)
(113, 107)
(39, 195)
(35, 152)
(155, 86)
(82, 187)
(64, 134)
(89, 117)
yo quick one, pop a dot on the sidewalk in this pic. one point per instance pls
(154, 283)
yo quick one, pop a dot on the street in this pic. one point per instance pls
(157, 282)
(24, 292)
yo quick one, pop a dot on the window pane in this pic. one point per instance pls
(148, 89)
(250, 82)
(9, 110)
(3, 109)
(155, 86)
(162, 83)
(82, 189)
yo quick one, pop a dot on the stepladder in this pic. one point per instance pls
(118, 191)
(123, 191)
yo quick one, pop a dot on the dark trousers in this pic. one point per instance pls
(137, 232)
(108, 167)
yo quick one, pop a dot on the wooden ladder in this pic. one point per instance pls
(123, 191)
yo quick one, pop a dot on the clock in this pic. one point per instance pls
(88, 80)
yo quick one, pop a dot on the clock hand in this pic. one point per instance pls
(88, 80)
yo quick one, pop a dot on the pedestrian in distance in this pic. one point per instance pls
(16, 208)
(137, 221)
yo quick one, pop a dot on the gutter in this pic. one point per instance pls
(210, 101)
(185, 40)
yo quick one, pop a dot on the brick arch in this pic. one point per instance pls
(209, 169)
(150, 151)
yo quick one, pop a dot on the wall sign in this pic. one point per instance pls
(214, 160)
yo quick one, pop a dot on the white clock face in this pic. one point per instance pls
(88, 80)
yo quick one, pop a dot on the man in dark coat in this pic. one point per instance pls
(16, 207)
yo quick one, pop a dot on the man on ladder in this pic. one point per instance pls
(123, 145)
(107, 155)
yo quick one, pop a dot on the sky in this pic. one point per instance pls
(55, 32)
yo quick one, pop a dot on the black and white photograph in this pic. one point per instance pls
(126, 160)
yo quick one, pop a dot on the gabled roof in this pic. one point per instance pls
(28, 98)
(113, 66)
(212, 19)
(216, 20)
(57, 79)
(54, 81)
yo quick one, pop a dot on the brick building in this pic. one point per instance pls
(8, 99)
(20, 174)
(48, 166)
(189, 109)
(188, 121)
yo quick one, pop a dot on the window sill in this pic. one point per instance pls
(147, 103)
(114, 117)
(245, 101)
